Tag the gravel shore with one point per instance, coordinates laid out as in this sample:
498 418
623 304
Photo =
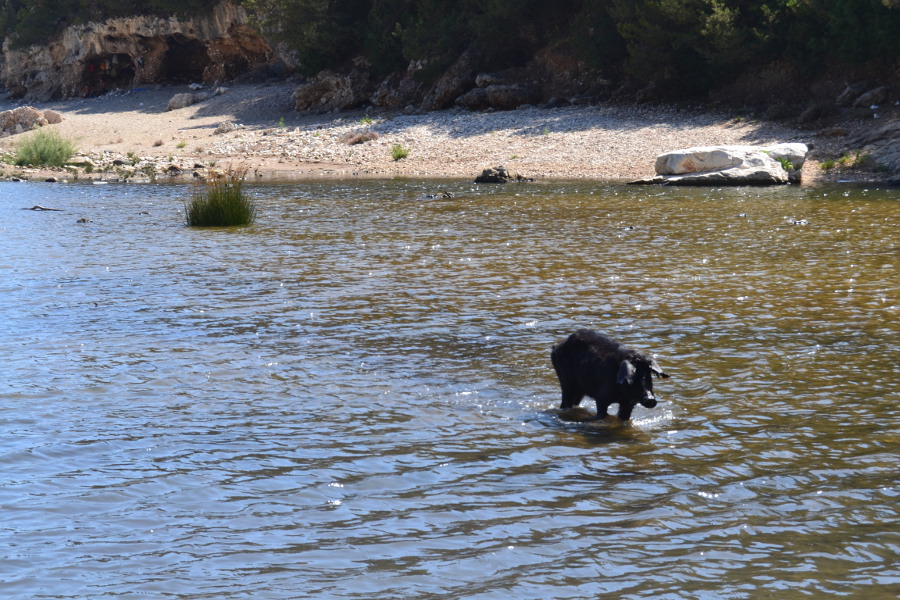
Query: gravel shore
255 126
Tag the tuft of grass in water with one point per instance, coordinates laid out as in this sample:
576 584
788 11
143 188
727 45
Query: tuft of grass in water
219 201
44 148
398 152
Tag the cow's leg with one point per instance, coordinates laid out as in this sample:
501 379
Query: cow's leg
570 398
625 409
602 408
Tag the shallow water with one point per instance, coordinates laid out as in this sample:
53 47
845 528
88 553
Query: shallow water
350 399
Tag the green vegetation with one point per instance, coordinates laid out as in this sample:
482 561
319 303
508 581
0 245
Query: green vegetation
398 152
44 148
686 47
857 160
854 160
786 164
219 201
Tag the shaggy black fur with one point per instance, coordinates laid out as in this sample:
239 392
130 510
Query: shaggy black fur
595 365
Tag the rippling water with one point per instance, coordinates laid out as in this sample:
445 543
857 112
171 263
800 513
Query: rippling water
350 398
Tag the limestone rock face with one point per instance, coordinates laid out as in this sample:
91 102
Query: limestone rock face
884 145
474 99
876 96
397 91
456 80
90 59
508 97
329 91
499 96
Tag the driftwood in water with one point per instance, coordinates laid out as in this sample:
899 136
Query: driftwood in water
39 207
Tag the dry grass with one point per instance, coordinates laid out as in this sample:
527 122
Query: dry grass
359 138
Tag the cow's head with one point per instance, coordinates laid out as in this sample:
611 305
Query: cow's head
636 376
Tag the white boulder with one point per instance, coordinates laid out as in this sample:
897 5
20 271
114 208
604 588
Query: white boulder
731 165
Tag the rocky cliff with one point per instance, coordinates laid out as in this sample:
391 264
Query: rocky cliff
90 59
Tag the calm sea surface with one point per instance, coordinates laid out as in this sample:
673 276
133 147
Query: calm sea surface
352 397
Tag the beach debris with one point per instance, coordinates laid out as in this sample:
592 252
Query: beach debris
38 207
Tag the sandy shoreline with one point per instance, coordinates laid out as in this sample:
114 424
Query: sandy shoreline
275 142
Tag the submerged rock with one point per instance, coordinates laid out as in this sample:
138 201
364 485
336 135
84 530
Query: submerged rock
499 175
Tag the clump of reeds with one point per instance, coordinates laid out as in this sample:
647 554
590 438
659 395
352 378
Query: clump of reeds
219 200
44 148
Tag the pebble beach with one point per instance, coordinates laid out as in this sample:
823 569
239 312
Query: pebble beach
131 134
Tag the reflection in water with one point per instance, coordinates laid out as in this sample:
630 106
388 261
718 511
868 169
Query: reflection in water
353 398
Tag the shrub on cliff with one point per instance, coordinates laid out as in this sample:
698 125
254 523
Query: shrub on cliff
219 201
44 148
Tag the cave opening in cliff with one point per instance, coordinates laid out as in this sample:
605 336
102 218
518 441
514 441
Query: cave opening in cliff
185 60
107 72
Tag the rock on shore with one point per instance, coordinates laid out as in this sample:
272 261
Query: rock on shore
731 165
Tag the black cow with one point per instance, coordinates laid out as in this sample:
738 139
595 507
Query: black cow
592 364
